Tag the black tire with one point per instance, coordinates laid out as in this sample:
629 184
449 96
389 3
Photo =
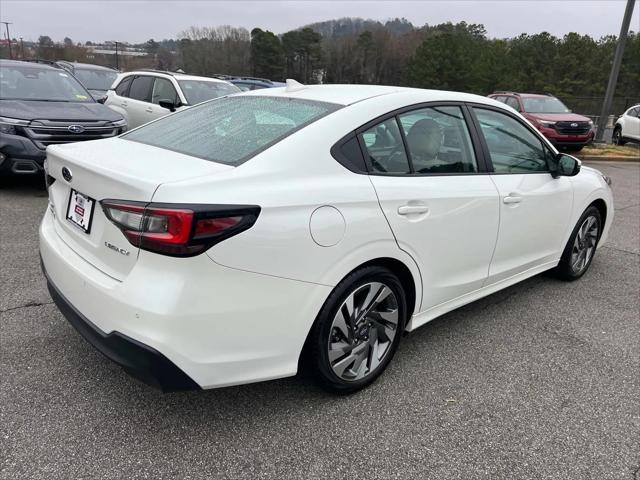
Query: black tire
617 138
565 269
317 348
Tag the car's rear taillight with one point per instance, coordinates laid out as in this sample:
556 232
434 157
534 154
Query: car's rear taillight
178 229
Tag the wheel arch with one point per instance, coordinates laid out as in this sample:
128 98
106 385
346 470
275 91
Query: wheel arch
398 268
601 205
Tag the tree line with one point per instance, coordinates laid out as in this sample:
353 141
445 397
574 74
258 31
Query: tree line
448 56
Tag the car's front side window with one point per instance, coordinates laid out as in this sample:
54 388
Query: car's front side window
438 140
163 90
513 148
385 149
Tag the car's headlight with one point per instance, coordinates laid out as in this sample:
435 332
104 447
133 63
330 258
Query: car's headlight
546 123
121 125
8 125
591 123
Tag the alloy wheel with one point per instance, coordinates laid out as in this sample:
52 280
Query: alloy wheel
363 331
584 244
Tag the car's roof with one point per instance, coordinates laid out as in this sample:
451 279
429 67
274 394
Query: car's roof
350 94
87 66
177 76
535 95
18 63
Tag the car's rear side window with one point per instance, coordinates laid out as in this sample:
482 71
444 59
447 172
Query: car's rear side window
233 129
141 88
123 87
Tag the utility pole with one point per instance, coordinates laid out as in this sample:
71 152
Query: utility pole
6 24
22 47
117 66
615 69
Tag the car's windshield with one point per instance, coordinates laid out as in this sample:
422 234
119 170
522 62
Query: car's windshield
31 82
232 129
198 91
544 105
95 79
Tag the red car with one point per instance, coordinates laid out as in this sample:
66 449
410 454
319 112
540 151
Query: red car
566 130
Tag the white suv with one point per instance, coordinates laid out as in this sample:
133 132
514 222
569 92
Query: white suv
144 95
627 126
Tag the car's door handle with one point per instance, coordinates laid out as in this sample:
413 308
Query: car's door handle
123 104
409 209
512 198
149 110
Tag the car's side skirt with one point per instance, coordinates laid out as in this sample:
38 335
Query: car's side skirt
426 316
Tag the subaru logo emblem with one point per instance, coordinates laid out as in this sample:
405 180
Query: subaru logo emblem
574 124
66 174
76 128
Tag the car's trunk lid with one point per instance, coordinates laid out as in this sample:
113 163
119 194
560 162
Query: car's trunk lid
115 169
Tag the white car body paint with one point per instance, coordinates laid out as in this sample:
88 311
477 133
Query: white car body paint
629 124
241 311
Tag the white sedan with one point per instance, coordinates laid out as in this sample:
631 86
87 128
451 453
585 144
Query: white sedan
226 243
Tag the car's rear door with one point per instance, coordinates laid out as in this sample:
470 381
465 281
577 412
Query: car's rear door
535 208
442 208
140 108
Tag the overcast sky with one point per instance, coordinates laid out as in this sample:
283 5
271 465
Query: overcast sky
137 21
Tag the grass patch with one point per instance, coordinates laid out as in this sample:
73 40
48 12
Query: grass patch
630 151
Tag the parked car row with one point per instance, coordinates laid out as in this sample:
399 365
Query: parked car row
71 90
45 103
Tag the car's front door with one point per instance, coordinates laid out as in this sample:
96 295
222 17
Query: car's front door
163 89
633 121
535 208
442 209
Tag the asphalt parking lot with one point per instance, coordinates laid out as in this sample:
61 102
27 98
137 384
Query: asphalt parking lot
541 380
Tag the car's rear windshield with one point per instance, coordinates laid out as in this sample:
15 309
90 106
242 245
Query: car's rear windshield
198 91
231 130
31 82
544 105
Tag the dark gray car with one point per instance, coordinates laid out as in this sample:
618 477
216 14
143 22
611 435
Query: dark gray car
95 78
42 105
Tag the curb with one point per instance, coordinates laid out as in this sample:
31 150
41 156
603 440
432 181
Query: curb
609 158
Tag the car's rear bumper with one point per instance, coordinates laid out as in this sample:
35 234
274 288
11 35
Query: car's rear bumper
141 361
217 325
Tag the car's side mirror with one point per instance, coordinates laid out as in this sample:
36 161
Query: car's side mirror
168 104
566 165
